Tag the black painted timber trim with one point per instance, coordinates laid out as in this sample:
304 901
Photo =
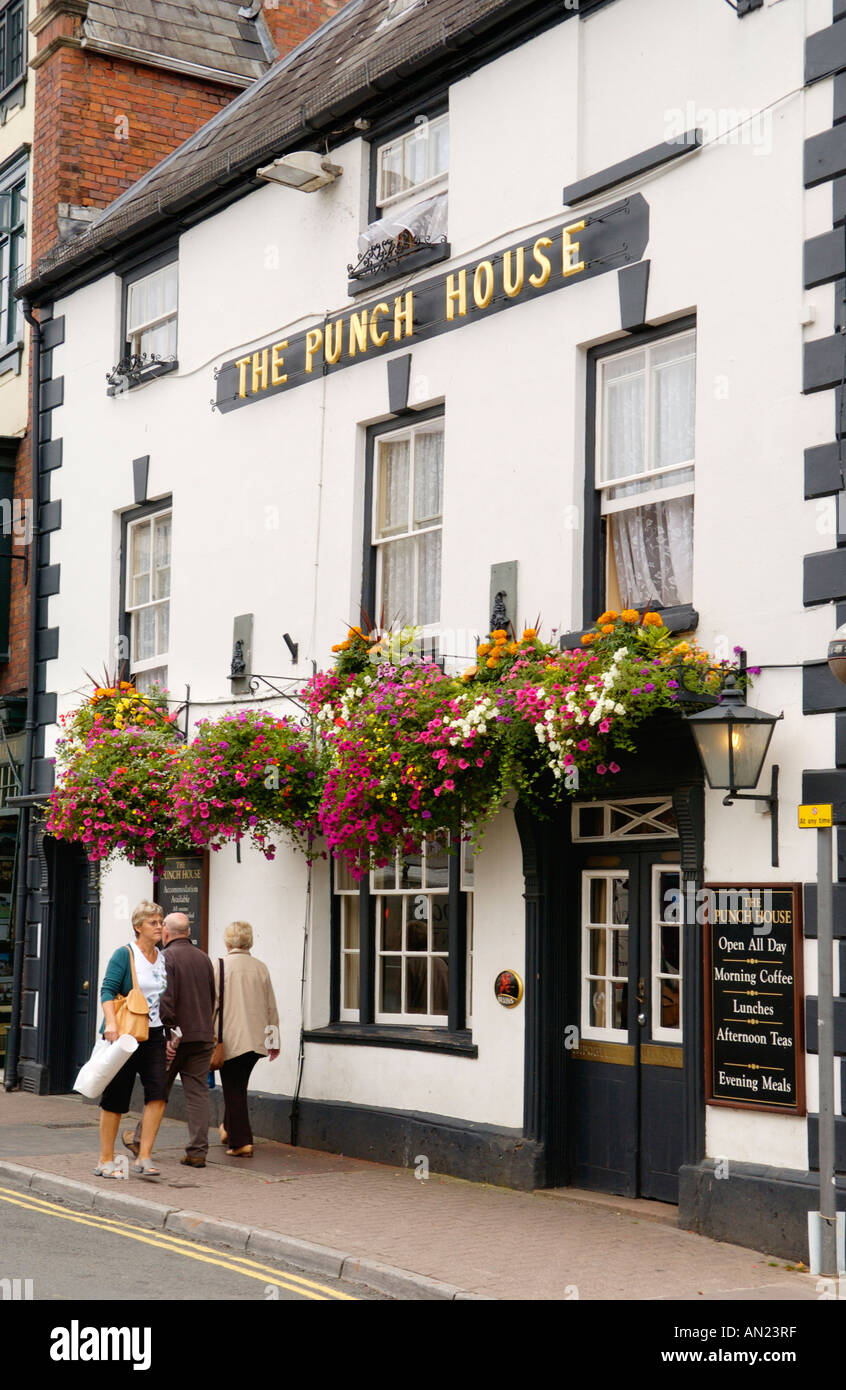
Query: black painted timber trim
825 256
825 53
822 693
410 1039
840 740
46 708
823 363
823 470
48 580
632 167
839 99
633 285
51 516
825 156
839 9
809 914
53 333
43 775
51 455
47 644
824 577
839 1142
825 786
52 393
756 1206
399 378
838 202
839 1025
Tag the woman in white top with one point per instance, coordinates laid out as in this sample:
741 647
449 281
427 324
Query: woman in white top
148 1061
250 1032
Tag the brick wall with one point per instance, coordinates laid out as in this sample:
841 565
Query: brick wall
289 23
13 675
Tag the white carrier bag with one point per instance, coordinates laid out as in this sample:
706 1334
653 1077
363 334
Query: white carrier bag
104 1064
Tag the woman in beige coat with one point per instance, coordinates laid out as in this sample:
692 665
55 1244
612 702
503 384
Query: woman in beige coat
250 1032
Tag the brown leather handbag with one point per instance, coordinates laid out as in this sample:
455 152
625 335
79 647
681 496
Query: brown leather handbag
217 1056
132 1012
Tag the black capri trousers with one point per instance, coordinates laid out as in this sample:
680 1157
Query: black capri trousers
148 1062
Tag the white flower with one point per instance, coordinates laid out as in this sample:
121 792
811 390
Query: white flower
619 709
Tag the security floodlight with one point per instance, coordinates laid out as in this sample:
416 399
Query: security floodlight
305 170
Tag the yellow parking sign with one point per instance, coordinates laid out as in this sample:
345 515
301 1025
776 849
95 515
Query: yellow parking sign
814 817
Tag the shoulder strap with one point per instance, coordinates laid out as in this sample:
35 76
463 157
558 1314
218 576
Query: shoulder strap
132 967
220 1002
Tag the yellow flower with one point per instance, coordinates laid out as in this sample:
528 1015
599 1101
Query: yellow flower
470 673
681 648
653 620
499 634
609 617
630 615
483 648
529 634
607 628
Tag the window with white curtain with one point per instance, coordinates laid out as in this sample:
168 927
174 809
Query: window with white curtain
148 557
414 163
646 403
407 526
151 312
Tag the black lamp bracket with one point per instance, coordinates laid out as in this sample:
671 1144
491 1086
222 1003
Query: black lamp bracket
771 800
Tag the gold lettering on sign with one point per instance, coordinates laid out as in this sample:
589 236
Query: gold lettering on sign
242 364
314 342
334 341
541 277
456 295
277 362
483 285
404 316
376 338
260 370
513 284
358 332
571 250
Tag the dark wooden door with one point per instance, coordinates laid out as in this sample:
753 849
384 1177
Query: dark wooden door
76 988
625 1081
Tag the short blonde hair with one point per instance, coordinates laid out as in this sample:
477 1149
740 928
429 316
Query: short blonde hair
143 911
238 936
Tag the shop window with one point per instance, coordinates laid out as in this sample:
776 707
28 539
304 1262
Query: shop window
411 904
403 567
409 206
644 473
149 316
13 202
12 46
147 566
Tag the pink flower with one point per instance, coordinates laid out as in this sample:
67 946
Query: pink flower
604 726
613 767
601 769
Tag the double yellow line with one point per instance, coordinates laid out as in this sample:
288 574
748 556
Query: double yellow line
238 1264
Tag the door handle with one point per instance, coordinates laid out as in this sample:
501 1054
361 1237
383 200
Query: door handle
84 986
641 992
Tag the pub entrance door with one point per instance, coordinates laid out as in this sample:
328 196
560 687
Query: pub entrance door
625 1078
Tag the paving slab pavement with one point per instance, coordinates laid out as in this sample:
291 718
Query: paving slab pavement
465 1239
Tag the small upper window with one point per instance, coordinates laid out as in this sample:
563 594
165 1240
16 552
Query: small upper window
414 163
147 602
12 44
645 471
151 315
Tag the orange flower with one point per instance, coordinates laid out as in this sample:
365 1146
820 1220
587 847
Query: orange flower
492 661
681 648
512 649
483 649
607 629
499 634
470 673
529 634
345 646
608 617
588 638
355 632
630 615
653 620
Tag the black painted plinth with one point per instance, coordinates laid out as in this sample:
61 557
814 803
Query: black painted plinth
458 1148
755 1206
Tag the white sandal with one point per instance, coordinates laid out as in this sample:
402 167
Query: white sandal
112 1169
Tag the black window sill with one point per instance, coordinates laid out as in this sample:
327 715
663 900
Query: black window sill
149 374
682 618
10 358
428 255
383 1035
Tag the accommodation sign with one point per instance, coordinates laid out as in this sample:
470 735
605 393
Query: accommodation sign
577 250
181 887
754 997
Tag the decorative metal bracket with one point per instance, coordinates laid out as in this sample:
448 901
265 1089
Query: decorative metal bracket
771 800
133 368
392 251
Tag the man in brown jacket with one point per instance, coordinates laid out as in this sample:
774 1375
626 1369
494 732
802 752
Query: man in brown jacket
186 1009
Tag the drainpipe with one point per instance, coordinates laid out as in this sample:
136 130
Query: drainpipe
10 1079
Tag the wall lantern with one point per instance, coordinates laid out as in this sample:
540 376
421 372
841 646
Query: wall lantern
837 654
732 740
306 170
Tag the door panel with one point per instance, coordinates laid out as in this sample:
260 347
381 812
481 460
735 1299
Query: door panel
625 1083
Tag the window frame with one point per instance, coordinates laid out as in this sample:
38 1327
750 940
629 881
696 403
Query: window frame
683 617
371 561
16 85
130 276
129 519
13 174
452 1035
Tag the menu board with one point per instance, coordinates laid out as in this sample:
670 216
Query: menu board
182 886
753 988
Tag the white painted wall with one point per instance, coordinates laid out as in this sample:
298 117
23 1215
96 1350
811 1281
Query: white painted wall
268 511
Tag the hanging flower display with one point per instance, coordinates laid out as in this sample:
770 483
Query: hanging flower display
249 774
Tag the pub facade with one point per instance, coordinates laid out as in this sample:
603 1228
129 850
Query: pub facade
465 313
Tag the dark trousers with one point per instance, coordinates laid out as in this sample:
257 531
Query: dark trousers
191 1064
234 1077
